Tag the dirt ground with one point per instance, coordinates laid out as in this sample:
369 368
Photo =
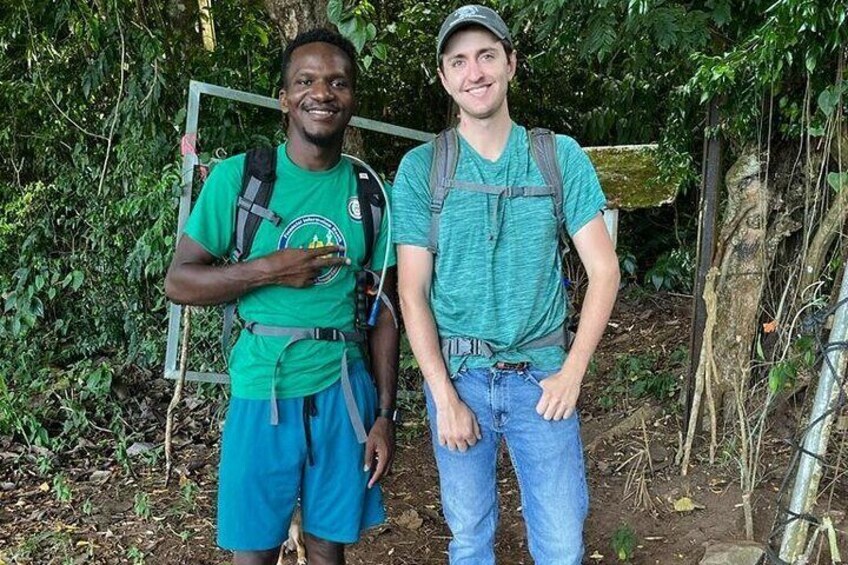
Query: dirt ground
90 509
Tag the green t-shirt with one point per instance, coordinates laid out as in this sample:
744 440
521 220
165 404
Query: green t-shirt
497 270
317 209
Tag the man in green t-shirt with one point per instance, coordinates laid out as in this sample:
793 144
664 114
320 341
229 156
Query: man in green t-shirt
484 306
305 421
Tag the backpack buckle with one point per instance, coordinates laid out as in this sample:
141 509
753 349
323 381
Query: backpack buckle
436 206
461 347
326 334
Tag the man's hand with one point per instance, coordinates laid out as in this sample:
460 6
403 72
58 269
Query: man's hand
299 268
560 392
380 449
457 426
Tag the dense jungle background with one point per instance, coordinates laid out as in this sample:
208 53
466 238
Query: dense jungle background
683 450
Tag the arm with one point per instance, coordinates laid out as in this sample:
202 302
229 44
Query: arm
383 343
193 278
595 249
456 424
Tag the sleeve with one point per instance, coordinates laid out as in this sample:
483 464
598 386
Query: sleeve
411 198
212 220
583 197
379 259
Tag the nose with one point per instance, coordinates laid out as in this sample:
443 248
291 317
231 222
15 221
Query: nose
475 73
321 90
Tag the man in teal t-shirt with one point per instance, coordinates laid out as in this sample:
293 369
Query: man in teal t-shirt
300 408
484 304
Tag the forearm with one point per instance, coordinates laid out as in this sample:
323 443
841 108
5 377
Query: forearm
383 343
204 285
594 315
424 339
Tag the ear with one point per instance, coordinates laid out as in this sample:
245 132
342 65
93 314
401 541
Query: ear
284 101
513 64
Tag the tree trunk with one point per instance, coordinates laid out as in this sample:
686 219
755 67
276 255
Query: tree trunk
757 219
295 16
743 258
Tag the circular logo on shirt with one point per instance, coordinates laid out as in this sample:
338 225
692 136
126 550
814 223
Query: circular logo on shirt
312 232
353 209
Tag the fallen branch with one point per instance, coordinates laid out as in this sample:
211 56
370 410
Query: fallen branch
646 412
178 392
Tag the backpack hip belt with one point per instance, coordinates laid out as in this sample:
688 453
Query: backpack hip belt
318 334
466 346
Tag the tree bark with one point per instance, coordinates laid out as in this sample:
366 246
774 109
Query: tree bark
743 259
757 219
294 16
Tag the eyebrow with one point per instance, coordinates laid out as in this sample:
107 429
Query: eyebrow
310 73
479 52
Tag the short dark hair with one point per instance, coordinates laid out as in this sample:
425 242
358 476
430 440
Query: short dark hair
318 35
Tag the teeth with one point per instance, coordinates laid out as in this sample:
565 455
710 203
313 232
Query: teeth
321 112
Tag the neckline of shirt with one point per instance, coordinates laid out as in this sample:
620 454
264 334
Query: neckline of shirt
514 132
286 164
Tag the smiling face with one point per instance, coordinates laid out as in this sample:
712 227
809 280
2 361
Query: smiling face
476 71
318 94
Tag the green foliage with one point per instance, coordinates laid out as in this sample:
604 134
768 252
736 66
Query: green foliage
837 181
135 555
141 505
93 98
797 41
781 376
188 494
354 22
627 263
624 542
61 489
674 270
642 375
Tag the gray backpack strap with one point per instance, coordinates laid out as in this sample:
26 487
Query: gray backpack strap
320 334
442 169
543 150
372 203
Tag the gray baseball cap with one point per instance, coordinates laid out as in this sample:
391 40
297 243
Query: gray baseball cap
471 14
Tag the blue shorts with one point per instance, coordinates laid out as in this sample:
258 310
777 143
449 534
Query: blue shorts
265 469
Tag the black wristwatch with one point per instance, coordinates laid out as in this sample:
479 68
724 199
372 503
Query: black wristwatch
391 414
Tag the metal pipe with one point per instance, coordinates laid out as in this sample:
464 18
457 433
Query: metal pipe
274 104
809 474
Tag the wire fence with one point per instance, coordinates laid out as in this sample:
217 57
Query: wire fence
790 526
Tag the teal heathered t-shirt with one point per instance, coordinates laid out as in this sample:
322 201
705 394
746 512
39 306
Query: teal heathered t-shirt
497 270
318 208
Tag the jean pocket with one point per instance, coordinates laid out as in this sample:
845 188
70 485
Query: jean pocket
534 376
454 377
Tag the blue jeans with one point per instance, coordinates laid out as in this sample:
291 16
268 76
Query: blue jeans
548 461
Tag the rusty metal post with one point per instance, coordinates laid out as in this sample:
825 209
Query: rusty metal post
707 213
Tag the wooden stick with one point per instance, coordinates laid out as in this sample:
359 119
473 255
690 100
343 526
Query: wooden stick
178 392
